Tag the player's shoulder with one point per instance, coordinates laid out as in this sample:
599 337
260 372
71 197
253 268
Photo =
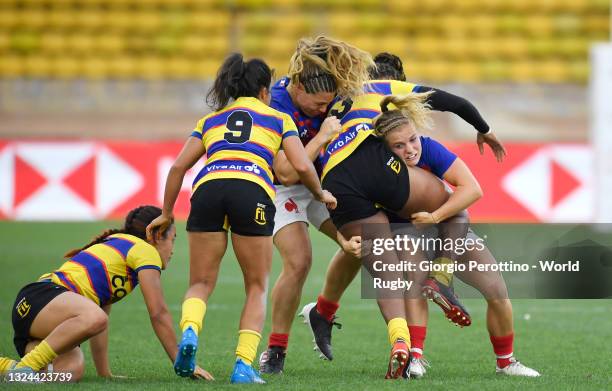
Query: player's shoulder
404 87
139 247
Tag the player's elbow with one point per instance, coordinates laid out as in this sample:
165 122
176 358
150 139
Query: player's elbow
286 178
158 315
477 192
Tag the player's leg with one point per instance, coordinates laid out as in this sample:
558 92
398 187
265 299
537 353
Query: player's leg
391 306
254 255
207 238
499 312
427 193
71 362
320 316
64 323
292 240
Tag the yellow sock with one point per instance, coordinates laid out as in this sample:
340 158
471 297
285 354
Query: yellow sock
40 357
248 340
6 364
193 313
398 328
444 276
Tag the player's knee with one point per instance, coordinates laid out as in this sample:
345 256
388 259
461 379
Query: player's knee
96 322
298 267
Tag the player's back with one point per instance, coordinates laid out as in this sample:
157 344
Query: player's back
241 141
106 272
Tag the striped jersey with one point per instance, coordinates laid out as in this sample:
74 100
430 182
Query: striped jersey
241 141
106 272
356 117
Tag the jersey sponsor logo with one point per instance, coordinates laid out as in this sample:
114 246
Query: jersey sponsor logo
291 206
23 308
119 291
260 214
395 165
234 167
346 138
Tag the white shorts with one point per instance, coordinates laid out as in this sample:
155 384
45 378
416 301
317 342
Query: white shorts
296 203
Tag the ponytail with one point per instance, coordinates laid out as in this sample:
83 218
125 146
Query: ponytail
237 78
411 108
388 66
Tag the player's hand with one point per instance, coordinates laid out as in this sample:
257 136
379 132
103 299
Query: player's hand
161 223
328 199
329 128
200 373
423 219
353 246
491 140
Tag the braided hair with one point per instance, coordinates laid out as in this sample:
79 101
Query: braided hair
135 224
388 66
411 108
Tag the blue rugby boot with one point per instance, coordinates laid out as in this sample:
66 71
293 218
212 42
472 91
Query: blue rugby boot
245 374
185 363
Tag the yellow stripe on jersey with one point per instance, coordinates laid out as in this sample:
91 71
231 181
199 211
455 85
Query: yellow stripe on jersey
108 271
241 142
357 121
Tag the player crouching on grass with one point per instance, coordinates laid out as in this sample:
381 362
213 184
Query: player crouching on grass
64 308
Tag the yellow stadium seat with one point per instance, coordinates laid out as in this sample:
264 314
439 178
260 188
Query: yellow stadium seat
552 71
483 48
146 22
567 24
209 23
119 21
538 26
5 42
438 71
453 48
53 43
466 71
95 68
206 69
179 68
150 68
573 48
64 67
579 71
123 67
33 20
9 19
61 19
541 48
494 71
425 47
597 26
522 72
81 44
402 7
89 20
25 41
343 23
512 48
11 66
110 44
166 44
510 24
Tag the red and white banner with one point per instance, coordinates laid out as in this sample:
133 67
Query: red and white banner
96 180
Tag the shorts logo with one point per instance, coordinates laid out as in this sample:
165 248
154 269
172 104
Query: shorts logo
260 214
23 308
395 165
291 206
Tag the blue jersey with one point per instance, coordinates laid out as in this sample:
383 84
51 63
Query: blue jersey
307 127
435 157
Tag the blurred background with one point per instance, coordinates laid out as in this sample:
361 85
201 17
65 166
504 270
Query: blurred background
97 96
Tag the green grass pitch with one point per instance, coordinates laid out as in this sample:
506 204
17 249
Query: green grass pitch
568 341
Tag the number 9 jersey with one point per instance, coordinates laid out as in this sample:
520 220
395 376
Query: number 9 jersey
106 272
241 141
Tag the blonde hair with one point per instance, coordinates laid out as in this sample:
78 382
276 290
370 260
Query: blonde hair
325 64
412 108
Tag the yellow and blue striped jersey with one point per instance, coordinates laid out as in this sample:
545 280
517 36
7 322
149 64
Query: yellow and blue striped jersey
241 141
356 117
106 272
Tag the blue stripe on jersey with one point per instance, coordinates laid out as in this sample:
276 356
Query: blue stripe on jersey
239 165
259 119
121 245
360 113
133 276
196 134
97 275
290 133
382 88
65 280
146 267
223 145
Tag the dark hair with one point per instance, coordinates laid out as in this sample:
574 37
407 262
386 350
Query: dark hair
135 224
237 78
388 66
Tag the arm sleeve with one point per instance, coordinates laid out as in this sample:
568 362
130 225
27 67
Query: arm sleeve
443 101
197 131
289 128
143 256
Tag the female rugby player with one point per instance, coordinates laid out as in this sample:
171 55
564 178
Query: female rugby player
320 69
417 150
53 316
234 189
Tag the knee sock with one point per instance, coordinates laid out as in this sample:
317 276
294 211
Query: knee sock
398 328
193 313
248 340
40 357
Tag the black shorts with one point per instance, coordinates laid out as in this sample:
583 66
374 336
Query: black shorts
371 175
237 203
30 300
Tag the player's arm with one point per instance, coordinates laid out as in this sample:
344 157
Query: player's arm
467 191
285 172
441 100
192 151
303 166
98 345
